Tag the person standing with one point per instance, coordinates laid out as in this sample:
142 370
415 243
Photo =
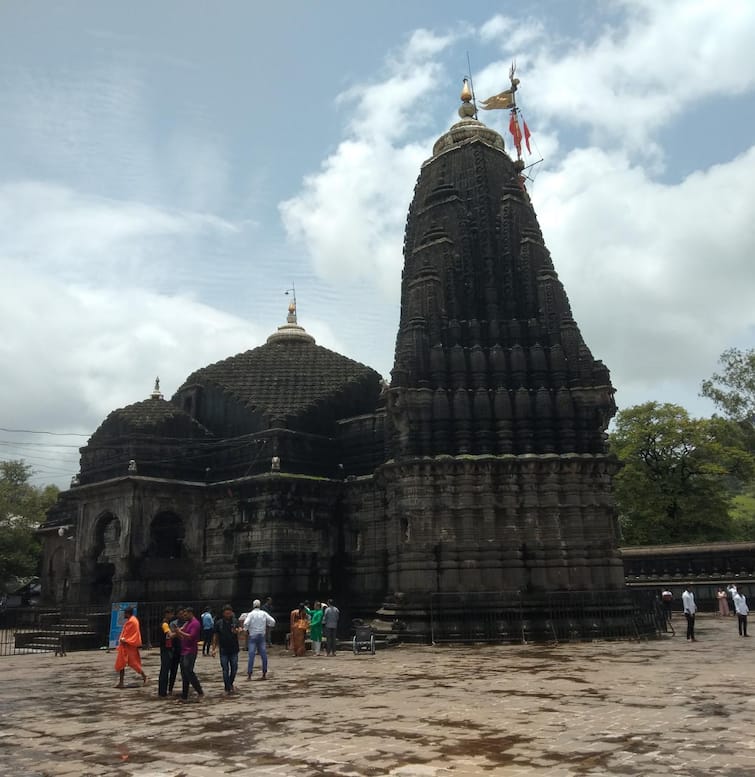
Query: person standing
690 608
740 607
189 633
208 622
731 589
299 626
723 604
225 637
175 624
129 643
315 627
268 608
330 622
167 667
256 625
667 599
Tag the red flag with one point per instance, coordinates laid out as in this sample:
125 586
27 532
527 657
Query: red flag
516 132
527 136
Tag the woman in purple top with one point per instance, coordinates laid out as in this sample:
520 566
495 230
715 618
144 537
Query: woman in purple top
189 634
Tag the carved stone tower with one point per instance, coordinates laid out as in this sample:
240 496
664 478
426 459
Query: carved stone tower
498 477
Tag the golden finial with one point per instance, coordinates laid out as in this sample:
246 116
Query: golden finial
466 110
291 318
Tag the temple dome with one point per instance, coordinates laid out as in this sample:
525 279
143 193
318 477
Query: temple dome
152 437
150 417
290 381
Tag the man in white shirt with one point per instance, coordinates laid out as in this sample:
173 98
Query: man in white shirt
740 605
256 624
690 608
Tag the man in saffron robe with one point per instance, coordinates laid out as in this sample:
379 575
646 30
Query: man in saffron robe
128 648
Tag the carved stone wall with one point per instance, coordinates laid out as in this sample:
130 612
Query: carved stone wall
537 522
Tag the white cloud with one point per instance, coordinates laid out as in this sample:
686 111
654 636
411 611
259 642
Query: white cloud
512 34
90 328
660 276
80 352
86 238
350 215
634 78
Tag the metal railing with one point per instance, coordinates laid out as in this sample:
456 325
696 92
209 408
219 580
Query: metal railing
52 629
520 617
492 617
77 627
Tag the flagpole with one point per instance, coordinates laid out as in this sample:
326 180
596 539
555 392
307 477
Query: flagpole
471 85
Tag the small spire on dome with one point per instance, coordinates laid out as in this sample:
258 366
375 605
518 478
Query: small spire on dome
156 393
291 330
291 318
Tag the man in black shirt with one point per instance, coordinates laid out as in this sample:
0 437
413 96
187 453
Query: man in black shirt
225 636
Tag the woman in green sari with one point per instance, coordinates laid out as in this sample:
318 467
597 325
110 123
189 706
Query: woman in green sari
315 627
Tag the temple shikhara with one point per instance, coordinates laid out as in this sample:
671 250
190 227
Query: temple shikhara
296 472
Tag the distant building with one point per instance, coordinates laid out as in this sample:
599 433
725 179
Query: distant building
291 470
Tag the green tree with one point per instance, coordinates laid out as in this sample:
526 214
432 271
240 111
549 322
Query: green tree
733 389
675 485
22 510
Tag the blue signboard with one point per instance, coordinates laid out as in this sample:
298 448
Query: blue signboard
117 619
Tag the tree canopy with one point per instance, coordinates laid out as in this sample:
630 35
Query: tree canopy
733 389
676 483
22 510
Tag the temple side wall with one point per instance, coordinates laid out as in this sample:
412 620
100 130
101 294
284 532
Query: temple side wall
493 523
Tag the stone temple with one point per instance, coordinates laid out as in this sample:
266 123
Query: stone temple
296 472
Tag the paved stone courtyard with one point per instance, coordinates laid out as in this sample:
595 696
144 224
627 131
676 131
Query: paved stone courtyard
667 707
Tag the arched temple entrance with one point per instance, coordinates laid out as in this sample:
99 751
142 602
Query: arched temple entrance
107 535
167 567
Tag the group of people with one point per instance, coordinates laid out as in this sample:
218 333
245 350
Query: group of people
739 602
321 618
179 640
181 631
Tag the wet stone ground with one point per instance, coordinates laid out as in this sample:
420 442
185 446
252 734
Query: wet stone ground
639 709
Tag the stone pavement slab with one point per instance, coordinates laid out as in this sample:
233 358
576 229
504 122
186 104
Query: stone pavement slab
638 709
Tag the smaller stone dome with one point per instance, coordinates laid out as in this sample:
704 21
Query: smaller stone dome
153 416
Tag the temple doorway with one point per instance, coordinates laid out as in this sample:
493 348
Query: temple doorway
106 551
166 536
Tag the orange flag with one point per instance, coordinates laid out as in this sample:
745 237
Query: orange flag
516 132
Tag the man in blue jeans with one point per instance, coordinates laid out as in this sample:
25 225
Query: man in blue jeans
225 637
257 624
208 623
330 625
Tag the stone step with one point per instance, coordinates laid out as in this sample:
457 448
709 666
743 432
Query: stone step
55 640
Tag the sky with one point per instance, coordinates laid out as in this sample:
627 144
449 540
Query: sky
169 170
